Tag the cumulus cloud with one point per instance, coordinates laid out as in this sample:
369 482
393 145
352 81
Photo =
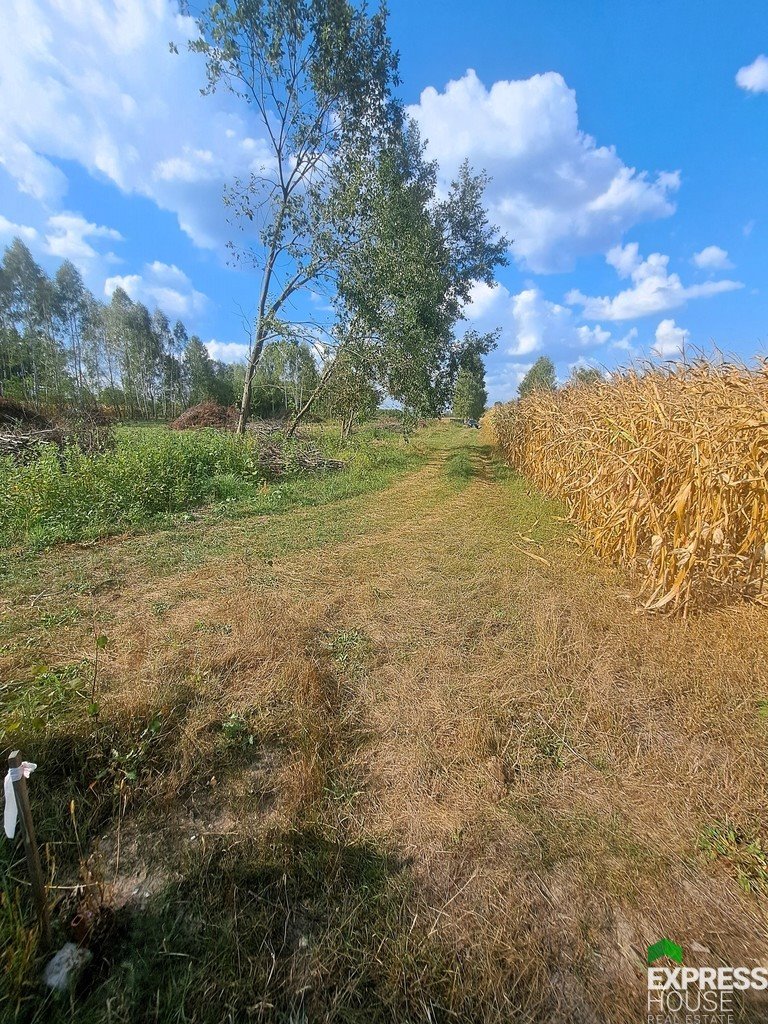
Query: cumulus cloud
163 285
530 322
654 289
95 82
670 339
554 190
10 230
502 383
627 342
227 351
754 77
712 257
68 237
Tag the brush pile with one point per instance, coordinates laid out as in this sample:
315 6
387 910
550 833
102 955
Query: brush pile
664 469
206 414
278 459
22 430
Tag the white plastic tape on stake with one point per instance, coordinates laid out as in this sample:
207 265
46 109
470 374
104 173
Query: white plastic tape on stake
11 813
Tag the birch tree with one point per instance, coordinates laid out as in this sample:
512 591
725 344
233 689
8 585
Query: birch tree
317 74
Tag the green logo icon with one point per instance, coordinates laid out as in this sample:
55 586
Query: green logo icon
665 947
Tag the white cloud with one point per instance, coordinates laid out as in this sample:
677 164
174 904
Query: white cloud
531 323
485 299
539 324
227 351
712 257
93 81
670 339
9 230
554 191
754 77
161 284
748 228
654 289
626 343
68 233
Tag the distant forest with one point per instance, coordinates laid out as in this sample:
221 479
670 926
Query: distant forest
61 346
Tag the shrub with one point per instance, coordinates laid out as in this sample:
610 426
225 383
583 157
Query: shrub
69 494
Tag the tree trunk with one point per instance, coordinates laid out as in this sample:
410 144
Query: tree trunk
346 425
309 402
245 401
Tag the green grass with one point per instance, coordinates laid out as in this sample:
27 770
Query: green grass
153 474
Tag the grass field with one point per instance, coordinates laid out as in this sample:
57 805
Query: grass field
398 751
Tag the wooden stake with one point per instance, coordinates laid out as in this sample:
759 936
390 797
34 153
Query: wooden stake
31 851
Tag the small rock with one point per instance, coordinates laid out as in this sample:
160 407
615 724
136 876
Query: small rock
63 970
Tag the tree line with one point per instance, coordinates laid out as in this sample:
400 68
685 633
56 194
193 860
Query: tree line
542 377
60 346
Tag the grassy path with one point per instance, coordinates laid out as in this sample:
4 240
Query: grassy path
420 761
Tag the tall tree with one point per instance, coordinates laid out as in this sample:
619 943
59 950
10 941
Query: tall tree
540 377
28 314
60 344
407 282
469 395
318 76
200 372
70 309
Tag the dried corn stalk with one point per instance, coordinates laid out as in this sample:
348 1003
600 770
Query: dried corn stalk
665 469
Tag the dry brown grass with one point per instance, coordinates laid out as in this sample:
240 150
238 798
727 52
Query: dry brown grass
665 469
537 764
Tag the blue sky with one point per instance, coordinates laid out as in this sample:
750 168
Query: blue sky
627 144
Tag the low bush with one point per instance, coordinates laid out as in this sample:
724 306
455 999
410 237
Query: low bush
153 473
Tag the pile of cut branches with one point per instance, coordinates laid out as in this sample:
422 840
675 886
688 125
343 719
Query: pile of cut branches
278 460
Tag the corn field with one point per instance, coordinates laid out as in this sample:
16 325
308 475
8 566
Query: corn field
664 469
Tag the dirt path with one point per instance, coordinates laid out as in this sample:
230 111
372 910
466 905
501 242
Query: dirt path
456 686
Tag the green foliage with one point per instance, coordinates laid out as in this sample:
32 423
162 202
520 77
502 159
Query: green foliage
318 78
284 379
540 377
60 346
744 853
585 375
29 707
404 285
469 396
153 473
202 380
350 394
351 648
